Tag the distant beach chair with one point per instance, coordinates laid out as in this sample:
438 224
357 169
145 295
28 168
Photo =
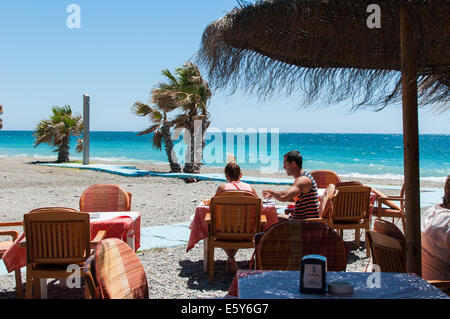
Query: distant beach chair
115 272
283 245
4 246
105 198
325 177
392 210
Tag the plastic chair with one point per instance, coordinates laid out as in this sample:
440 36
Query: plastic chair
392 210
55 238
232 224
283 245
4 246
105 198
325 177
351 210
115 272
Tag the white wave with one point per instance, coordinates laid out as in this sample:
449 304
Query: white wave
391 177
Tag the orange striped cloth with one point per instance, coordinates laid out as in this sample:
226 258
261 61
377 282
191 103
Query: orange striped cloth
307 204
119 272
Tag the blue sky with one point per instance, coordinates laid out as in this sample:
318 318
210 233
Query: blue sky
117 56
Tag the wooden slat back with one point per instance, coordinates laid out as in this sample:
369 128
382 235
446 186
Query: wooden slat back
351 203
57 237
105 198
235 217
387 252
325 177
283 246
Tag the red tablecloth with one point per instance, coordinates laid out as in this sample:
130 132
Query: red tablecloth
16 256
199 229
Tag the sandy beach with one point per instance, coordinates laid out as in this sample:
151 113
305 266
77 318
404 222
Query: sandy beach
171 272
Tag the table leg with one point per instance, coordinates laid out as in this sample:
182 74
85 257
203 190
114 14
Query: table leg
205 255
130 238
232 265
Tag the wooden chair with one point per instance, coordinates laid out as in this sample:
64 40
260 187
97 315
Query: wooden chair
392 210
232 224
283 245
55 238
325 177
4 246
115 272
351 210
105 198
388 246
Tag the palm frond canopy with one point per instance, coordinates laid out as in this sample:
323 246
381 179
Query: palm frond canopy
326 49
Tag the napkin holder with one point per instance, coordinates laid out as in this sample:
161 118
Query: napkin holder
313 272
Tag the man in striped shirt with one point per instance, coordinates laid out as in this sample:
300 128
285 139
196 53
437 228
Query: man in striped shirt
303 191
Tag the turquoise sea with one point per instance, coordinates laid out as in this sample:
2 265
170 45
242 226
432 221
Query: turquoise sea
351 155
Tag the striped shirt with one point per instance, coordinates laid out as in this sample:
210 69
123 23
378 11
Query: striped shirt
307 204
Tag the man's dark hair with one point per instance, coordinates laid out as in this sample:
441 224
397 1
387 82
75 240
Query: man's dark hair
294 156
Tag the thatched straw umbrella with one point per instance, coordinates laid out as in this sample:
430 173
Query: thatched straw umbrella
335 50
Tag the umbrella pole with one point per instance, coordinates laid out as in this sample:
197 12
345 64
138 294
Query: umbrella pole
409 50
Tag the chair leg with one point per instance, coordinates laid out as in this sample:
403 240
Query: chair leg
29 284
357 234
211 264
19 291
37 287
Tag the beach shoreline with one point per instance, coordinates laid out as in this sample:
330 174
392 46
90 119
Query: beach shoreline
171 272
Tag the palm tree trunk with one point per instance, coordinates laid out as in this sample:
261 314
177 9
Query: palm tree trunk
189 166
63 150
173 161
195 155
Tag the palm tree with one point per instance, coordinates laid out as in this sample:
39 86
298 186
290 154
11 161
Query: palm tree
1 112
57 131
188 93
161 129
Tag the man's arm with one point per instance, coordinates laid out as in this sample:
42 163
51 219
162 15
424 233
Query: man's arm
301 185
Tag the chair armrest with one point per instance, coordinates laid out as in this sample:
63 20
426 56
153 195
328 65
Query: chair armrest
318 219
100 235
399 198
208 218
263 220
11 224
11 233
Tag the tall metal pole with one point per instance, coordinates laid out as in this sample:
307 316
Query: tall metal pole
86 109
409 50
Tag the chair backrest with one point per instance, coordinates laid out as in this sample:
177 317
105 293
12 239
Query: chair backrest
235 217
118 273
326 204
348 183
283 246
105 198
387 251
325 177
351 204
236 193
57 236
